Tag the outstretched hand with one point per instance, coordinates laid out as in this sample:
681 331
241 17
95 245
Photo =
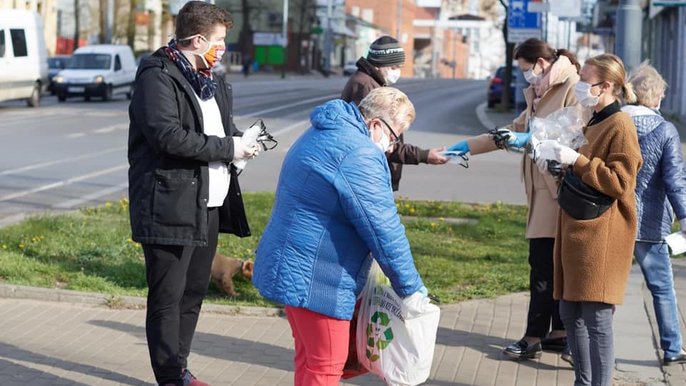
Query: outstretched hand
435 156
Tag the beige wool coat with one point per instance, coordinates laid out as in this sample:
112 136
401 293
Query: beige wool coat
541 188
592 258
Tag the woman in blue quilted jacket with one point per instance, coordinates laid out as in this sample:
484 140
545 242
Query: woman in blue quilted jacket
660 195
334 206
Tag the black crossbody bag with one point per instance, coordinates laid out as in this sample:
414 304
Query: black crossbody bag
581 201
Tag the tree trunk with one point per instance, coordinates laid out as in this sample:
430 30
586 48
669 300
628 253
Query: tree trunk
509 48
131 27
245 36
77 26
102 19
304 4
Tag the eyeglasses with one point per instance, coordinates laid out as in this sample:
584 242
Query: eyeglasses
266 140
396 139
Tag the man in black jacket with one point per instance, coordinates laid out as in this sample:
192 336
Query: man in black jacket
183 188
382 68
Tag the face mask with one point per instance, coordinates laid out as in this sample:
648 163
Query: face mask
384 143
584 96
531 77
213 54
392 76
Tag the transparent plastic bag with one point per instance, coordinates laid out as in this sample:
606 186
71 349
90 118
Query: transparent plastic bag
564 126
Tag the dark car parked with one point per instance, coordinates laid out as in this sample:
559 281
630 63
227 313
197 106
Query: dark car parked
55 65
496 85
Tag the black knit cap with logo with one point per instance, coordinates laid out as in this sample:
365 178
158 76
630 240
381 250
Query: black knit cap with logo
385 52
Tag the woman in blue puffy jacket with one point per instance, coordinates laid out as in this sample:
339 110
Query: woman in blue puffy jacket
660 196
334 206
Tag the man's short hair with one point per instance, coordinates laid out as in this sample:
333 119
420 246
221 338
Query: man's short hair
200 18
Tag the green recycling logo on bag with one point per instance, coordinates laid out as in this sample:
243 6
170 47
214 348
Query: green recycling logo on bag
379 334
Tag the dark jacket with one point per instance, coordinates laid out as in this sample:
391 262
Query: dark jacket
364 80
168 157
661 182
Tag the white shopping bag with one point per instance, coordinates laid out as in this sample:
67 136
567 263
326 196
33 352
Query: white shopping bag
395 337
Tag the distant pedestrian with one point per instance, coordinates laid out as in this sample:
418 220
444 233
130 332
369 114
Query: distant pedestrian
660 196
247 63
183 187
334 206
552 74
595 230
380 68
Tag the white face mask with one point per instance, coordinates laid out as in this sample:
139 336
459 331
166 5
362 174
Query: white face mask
582 90
531 77
392 76
384 143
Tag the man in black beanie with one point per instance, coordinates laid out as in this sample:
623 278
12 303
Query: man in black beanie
382 68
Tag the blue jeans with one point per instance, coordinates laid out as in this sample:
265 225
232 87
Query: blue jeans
590 337
653 258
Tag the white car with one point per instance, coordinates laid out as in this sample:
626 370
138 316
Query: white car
23 56
102 70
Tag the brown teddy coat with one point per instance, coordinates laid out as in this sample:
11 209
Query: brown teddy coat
592 258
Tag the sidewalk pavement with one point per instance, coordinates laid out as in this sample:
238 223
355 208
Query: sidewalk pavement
47 343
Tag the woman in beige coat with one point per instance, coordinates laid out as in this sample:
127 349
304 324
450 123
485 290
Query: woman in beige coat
593 253
553 75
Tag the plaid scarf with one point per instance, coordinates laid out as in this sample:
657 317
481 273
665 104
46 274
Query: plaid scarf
201 80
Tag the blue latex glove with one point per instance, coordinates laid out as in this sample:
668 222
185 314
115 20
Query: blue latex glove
518 140
460 148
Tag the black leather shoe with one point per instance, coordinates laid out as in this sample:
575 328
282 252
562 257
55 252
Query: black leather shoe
554 344
681 358
522 350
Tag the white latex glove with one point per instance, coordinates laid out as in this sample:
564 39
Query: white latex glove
552 150
682 225
241 151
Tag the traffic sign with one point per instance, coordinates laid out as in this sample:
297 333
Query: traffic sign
522 24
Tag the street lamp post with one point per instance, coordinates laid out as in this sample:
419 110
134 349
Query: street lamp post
284 42
629 23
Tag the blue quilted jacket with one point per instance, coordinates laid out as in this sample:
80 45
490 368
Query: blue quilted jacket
661 182
334 205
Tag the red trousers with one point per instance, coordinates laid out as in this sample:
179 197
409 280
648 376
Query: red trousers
321 347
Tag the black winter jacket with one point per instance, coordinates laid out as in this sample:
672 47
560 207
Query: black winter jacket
168 156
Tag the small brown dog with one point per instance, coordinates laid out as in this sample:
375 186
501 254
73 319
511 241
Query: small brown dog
223 269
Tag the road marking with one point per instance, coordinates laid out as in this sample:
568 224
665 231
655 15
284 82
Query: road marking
75 135
61 183
111 128
91 197
59 161
271 110
290 127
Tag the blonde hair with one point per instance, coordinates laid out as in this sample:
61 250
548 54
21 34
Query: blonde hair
648 84
610 68
390 104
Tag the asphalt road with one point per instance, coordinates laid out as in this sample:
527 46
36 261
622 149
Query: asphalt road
63 156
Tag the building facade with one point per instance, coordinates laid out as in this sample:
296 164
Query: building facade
47 9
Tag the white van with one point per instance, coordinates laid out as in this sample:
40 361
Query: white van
102 70
23 56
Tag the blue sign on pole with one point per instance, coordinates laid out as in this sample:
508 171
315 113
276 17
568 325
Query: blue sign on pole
522 24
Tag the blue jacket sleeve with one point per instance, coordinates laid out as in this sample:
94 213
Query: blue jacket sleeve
364 189
673 172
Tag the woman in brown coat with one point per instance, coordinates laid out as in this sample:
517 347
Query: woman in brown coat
593 255
553 75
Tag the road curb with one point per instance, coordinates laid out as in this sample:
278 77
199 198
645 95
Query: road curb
119 302
483 117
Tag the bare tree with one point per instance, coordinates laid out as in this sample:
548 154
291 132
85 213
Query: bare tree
509 48
102 19
131 27
77 25
305 26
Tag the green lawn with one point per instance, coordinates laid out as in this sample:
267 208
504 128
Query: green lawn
91 250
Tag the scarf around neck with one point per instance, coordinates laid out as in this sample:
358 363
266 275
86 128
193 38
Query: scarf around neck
201 80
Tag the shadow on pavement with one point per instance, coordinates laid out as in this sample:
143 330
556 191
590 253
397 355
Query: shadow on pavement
19 374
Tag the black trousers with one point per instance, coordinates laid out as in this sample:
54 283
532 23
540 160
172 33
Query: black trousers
178 278
543 309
